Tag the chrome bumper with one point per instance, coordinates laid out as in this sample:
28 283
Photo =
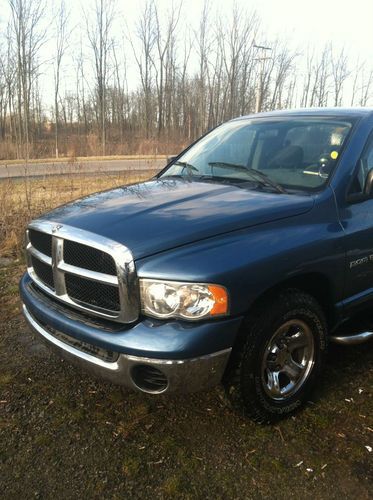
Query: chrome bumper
186 375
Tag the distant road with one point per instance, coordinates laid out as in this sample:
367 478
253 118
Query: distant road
79 167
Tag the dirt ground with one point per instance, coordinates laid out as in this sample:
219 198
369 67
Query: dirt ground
66 435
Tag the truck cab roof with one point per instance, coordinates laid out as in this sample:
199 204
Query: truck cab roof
317 112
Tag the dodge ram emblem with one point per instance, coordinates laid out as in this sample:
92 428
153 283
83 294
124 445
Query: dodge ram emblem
56 228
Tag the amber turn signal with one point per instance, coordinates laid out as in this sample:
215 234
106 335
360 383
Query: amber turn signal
221 300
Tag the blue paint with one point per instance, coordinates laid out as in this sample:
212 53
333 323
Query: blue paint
247 240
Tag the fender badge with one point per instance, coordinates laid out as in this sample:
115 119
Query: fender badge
56 228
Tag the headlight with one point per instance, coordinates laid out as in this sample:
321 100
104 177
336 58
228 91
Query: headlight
170 299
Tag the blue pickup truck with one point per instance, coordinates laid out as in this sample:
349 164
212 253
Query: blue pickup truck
237 263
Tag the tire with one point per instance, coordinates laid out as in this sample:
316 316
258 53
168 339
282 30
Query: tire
279 357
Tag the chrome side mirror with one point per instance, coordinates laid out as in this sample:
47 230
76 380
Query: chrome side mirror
170 159
368 190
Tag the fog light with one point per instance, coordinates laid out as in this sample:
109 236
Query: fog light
149 379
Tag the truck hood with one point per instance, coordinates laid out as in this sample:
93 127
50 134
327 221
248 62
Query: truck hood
161 214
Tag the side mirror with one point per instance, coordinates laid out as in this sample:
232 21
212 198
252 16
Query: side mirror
368 190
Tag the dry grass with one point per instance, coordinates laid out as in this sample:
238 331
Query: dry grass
84 159
74 145
24 199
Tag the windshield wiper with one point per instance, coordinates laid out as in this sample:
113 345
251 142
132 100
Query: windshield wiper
190 169
174 176
220 178
187 166
262 178
267 180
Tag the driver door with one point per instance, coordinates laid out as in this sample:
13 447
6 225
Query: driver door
359 236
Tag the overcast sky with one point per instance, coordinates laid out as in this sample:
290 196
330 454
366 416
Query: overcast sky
302 24
345 23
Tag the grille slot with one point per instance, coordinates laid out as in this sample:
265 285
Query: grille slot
79 255
93 350
98 352
41 241
72 312
97 295
43 272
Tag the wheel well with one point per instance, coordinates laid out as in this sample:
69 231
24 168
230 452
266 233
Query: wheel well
315 284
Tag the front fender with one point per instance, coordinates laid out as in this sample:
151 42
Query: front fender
251 261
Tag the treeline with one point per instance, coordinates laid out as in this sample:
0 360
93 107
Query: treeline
187 79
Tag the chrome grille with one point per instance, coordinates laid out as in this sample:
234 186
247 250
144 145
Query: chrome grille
41 241
80 255
43 271
98 295
88 272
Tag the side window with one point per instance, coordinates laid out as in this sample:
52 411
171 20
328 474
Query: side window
364 167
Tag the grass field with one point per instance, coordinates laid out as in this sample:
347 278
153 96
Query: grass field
24 199
65 435
80 159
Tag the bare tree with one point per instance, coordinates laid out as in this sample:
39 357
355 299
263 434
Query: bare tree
165 46
146 36
26 16
357 72
203 48
8 71
340 73
307 79
3 97
61 44
99 36
236 47
182 82
284 63
366 87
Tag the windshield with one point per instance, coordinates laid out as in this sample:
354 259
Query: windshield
278 155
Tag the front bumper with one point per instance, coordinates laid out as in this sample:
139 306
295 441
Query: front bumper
191 357
181 375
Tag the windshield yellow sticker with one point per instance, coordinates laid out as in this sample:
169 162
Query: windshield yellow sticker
334 155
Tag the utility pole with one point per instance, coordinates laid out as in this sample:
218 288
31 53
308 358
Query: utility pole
262 59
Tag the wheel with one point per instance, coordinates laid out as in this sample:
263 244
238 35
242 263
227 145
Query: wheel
279 358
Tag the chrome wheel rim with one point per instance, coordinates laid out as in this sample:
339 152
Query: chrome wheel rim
288 360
